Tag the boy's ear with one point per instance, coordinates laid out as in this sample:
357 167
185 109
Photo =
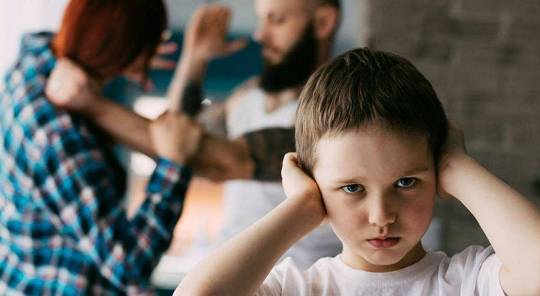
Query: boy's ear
325 21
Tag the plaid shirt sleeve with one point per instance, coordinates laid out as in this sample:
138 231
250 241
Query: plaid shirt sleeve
125 250
61 164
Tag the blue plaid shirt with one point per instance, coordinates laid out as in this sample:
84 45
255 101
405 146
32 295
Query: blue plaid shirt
63 226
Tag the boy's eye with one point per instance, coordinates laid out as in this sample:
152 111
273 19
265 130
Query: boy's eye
353 188
406 182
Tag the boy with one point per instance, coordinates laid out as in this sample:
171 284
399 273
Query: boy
369 135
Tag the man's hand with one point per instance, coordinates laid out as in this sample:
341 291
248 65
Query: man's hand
297 184
70 87
175 137
453 149
205 37
204 40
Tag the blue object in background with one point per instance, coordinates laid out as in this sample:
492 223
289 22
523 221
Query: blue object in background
223 75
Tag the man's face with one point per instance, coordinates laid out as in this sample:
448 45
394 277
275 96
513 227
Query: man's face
379 188
281 25
287 36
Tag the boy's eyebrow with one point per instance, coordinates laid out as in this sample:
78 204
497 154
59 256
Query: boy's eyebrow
351 180
347 181
416 171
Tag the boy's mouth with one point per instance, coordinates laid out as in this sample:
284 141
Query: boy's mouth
383 242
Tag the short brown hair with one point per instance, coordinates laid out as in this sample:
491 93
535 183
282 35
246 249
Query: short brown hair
106 36
365 86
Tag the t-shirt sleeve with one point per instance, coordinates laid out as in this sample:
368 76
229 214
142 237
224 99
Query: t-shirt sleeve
479 269
284 279
489 276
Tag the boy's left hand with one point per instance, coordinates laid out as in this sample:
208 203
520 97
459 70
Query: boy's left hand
453 148
297 184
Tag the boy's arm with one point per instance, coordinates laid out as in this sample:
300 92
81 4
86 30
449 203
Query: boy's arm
240 266
510 221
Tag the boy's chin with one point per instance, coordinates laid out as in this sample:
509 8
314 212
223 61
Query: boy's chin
386 260
395 259
374 261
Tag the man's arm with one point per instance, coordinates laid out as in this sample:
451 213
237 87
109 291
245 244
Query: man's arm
205 39
241 264
255 155
509 220
218 158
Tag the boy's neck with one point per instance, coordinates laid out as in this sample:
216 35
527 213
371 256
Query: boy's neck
357 262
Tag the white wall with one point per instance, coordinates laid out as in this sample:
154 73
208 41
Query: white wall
20 16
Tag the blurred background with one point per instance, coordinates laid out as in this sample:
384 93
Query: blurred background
483 58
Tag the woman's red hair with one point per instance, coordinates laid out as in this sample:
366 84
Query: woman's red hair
107 36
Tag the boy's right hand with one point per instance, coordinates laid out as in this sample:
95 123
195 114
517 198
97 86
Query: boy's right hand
452 151
70 87
297 184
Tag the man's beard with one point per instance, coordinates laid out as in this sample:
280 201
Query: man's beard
295 68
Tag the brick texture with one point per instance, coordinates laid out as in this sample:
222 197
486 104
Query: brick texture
483 58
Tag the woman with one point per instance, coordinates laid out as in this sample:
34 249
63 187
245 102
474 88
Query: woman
63 227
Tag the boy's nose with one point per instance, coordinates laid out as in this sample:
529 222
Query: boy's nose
380 213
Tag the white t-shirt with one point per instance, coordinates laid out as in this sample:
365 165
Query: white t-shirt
474 271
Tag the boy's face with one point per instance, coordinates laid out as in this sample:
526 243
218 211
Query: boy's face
379 190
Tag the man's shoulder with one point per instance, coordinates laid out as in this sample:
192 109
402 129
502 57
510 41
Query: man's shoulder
246 86
240 91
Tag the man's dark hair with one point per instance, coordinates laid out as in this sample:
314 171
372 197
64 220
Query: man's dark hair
365 86
335 3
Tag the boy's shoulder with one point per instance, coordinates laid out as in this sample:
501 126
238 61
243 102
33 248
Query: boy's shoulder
471 256
287 278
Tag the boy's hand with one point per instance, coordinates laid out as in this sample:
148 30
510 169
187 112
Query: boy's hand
70 87
452 150
297 184
206 34
175 137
